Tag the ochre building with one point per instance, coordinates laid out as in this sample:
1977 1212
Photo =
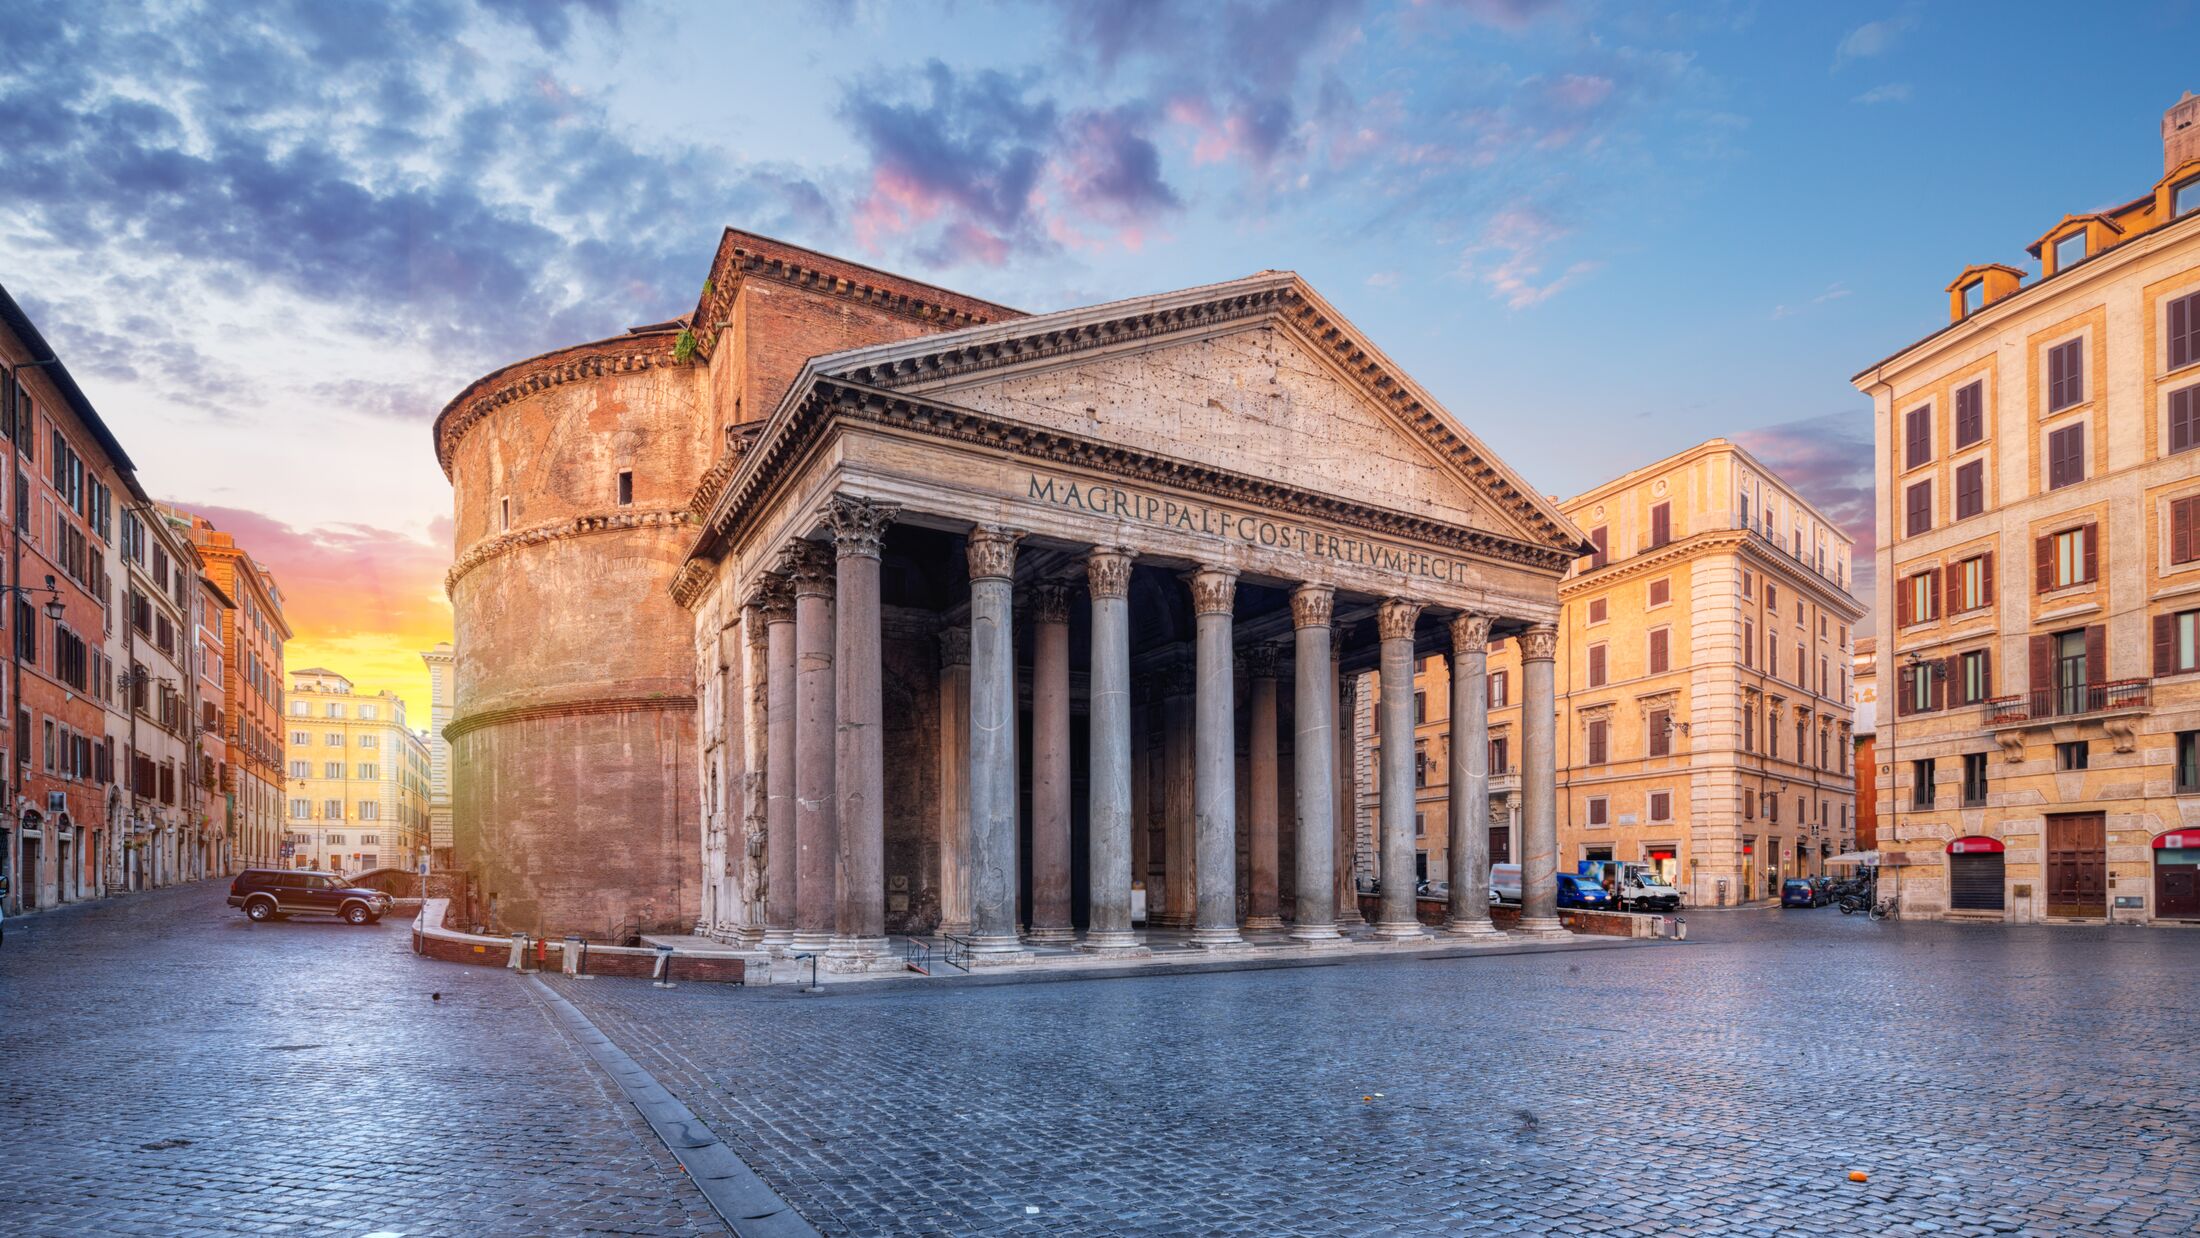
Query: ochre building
1703 687
2039 566
846 606
357 779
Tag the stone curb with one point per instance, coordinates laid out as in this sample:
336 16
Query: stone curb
749 1206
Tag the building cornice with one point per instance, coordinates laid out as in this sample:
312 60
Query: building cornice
623 354
579 526
457 727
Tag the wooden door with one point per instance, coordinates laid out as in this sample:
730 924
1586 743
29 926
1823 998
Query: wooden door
2176 889
2077 865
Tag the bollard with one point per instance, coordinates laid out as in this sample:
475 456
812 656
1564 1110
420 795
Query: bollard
574 951
519 952
1680 929
663 971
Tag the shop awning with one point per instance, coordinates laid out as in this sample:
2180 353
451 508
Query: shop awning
1976 844
2177 840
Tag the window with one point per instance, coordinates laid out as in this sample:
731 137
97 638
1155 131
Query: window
1975 680
506 514
1921 783
1661 805
333 810
2184 418
1917 437
2065 375
1772 598
1597 610
626 488
1772 655
1420 765
1973 585
333 739
1600 536
301 769
370 771
1660 727
1597 727
335 840
370 741
1920 688
1970 414
1661 525
2067 558
1599 810
2188 762
1749 643
2066 456
2070 250
369 810
300 810
370 711
1499 685
1500 756
1660 654
1420 708
1919 601
335 710
1596 666
332 769
2070 666
2184 331
2072 755
1974 297
1970 489
2185 199
300 708
1661 592
1917 507
301 738
2177 642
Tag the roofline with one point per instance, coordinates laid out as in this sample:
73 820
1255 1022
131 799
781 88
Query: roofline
1714 444
43 355
741 239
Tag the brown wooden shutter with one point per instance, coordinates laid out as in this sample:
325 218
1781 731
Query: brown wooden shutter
2184 530
2043 564
2096 654
2042 663
1596 743
1932 596
1903 616
1954 592
2165 644
1986 672
1596 665
1905 689
1951 674
1658 651
1939 673
1661 524
2092 553
1986 580
1914 438
2184 419
2184 331
1600 536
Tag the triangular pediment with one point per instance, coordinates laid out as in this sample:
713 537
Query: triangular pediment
1257 377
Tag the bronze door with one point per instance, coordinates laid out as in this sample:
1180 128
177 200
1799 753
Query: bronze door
2077 865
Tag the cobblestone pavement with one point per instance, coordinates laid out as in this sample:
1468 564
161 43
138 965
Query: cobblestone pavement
167 1068
1989 1080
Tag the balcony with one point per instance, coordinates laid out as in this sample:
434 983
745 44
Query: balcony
1786 550
2051 705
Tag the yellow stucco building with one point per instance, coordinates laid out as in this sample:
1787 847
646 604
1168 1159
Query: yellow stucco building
1703 686
358 778
2039 551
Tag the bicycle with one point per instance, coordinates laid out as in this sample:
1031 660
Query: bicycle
1883 909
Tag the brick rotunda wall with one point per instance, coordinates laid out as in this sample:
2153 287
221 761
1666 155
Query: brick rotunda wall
574 808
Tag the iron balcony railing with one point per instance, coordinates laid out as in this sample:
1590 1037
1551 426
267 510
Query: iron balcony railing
1807 559
2071 701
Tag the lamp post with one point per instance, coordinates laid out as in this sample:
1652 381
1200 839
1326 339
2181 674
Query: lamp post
10 812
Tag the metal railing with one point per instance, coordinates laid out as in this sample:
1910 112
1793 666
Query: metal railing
957 954
2069 701
1807 561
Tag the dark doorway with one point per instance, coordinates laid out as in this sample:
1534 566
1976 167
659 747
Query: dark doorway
2177 881
1501 848
1975 882
2077 865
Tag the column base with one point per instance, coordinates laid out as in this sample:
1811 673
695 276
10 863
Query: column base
861 954
958 928
810 943
1400 930
776 937
1542 928
1480 930
1122 945
1315 934
1263 924
1220 938
998 950
1051 935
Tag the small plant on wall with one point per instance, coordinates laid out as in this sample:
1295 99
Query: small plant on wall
683 348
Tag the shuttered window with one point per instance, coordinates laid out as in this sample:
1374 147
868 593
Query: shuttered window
1917 506
1661 733
2071 557
1970 489
1601 537
2177 642
2066 456
1970 414
1597 610
1660 652
2184 530
1596 741
1919 599
2184 331
1971 583
1661 525
1917 437
1975 679
1596 666
1661 592
1661 805
2184 419
1598 811
2065 375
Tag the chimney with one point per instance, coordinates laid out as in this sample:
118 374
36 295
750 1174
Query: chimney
2181 133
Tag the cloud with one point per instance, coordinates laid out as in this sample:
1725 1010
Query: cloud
1512 251
1873 38
1828 459
1892 92
1835 291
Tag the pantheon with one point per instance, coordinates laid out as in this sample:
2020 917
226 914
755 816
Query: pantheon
846 606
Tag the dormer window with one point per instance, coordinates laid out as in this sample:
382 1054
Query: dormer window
1974 297
2070 251
2185 198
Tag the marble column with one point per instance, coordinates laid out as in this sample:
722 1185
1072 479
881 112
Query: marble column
1179 854
1396 920
755 863
1314 761
1050 781
816 803
1214 760
775 597
993 881
1470 780
1538 784
1263 908
1145 786
955 781
859 754
1348 796
1108 581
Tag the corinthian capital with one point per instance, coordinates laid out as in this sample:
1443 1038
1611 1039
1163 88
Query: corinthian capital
1108 572
1539 643
1312 605
859 525
809 566
992 552
1214 590
1395 618
1470 634
1258 661
1050 603
773 598
955 646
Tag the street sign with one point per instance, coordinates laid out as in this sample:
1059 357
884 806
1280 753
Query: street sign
289 850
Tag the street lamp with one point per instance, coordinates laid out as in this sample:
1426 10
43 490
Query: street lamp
53 606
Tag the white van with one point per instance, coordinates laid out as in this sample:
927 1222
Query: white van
1505 884
1638 886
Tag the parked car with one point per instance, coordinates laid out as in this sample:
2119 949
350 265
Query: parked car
1505 884
1799 892
1575 890
1432 889
1639 886
273 893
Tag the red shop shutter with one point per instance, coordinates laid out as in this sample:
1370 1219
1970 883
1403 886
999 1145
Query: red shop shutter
2043 564
2165 644
2096 655
2092 553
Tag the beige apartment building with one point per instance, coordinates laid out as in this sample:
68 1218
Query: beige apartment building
357 778
1703 687
2039 553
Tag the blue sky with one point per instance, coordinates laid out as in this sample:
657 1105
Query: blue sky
271 241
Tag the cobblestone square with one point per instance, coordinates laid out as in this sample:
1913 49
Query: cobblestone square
174 1070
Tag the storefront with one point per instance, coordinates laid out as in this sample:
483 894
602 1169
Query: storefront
1975 874
1665 859
2177 875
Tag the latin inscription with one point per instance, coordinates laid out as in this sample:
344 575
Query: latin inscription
1124 503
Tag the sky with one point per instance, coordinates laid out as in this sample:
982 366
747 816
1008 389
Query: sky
271 241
